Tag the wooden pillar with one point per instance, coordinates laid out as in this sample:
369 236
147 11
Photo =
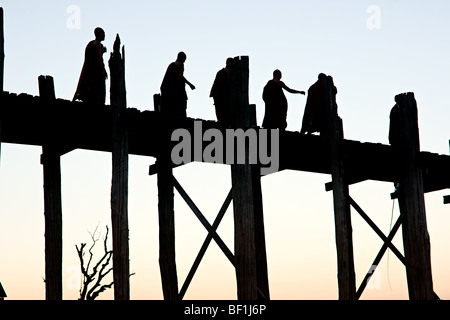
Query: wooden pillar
50 160
260 238
416 240
250 256
2 59
343 227
2 50
166 216
119 184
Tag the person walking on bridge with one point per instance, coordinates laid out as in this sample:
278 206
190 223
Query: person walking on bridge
173 88
91 85
276 104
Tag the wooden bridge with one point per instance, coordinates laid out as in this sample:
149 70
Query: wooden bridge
61 126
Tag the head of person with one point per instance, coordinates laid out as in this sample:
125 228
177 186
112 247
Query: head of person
229 62
181 57
322 76
99 34
277 74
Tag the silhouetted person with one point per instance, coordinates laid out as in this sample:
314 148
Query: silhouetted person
173 91
394 126
220 92
91 85
314 116
276 102
394 132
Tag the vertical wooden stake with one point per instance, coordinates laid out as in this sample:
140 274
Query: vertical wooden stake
416 240
167 261
343 227
260 238
2 50
119 184
50 160
250 257
166 216
2 59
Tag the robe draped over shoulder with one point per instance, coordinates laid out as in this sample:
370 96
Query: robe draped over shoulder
275 106
91 85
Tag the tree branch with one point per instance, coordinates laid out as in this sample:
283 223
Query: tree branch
99 271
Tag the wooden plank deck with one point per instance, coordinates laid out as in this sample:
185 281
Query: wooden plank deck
32 120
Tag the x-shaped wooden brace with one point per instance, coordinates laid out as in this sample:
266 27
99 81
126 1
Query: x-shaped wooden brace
212 234
387 244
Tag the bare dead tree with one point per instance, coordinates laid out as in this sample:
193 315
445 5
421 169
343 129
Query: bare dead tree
92 279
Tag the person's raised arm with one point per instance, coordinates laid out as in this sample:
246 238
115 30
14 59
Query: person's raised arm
285 87
189 84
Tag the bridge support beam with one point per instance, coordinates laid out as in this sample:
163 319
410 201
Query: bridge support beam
2 60
167 261
411 200
50 161
250 251
341 201
2 50
119 183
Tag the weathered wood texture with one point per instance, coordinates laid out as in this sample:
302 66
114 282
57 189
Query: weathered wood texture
416 240
343 227
250 258
50 160
119 183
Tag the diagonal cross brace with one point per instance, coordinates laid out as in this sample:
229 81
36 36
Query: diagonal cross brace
380 255
212 234
387 244
205 245
385 239
203 220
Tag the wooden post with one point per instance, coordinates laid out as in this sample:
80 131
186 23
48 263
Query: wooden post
250 258
119 185
416 240
167 261
2 50
2 59
50 160
343 227
260 238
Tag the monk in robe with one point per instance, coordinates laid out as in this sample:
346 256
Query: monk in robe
91 85
276 104
220 92
394 132
314 116
173 88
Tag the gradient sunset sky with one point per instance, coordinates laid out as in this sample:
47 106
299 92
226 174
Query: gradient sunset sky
373 49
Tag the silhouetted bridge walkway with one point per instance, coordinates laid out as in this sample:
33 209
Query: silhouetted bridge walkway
68 125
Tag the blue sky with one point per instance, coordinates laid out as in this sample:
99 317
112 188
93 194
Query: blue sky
407 51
